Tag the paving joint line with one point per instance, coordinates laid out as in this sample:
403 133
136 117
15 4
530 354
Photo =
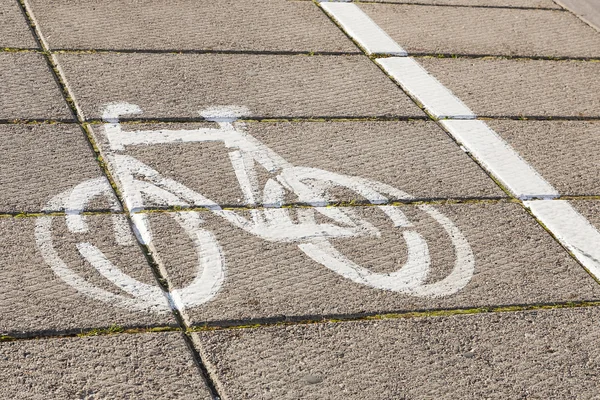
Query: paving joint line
253 323
85 332
403 314
37 214
37 121
583 197
65 92
235 207
301 53
297 119
349 204
400 2
558 118
161 277
257 119
475 56
19 50
207 51
158 272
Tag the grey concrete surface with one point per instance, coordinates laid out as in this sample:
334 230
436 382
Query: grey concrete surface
29 90
587 10
14 31
416 157
516 262
39 162
249 25
541 354
497 31
141 366
35 299
565 153
502 87
481 3
547 354
181 85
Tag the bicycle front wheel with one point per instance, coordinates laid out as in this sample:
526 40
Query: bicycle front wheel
315 187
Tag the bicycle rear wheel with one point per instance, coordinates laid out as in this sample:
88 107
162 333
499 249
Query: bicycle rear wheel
131 293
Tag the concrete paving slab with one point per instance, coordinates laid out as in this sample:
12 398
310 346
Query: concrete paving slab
39 256
504 87
248 25
29 89
39 162
181 85
480 3
14 31
148 366
535 354
416 157
587 10
564 152
497 31
515 262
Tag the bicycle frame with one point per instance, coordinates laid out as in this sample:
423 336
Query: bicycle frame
270 222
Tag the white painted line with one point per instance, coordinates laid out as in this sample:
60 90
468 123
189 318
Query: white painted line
501 160
415 80
362 29
571 229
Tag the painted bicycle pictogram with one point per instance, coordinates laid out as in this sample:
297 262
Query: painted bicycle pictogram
268 220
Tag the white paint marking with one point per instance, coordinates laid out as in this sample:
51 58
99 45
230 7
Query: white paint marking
435 97
141 228
464 266
500 159
571 229
140 182
243 165
123 235
119 139
210 270
112 112
397 216
362 29
225 113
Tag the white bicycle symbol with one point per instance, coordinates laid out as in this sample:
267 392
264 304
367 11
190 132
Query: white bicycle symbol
269 221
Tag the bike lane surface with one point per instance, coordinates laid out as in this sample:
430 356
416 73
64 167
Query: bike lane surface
271 282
